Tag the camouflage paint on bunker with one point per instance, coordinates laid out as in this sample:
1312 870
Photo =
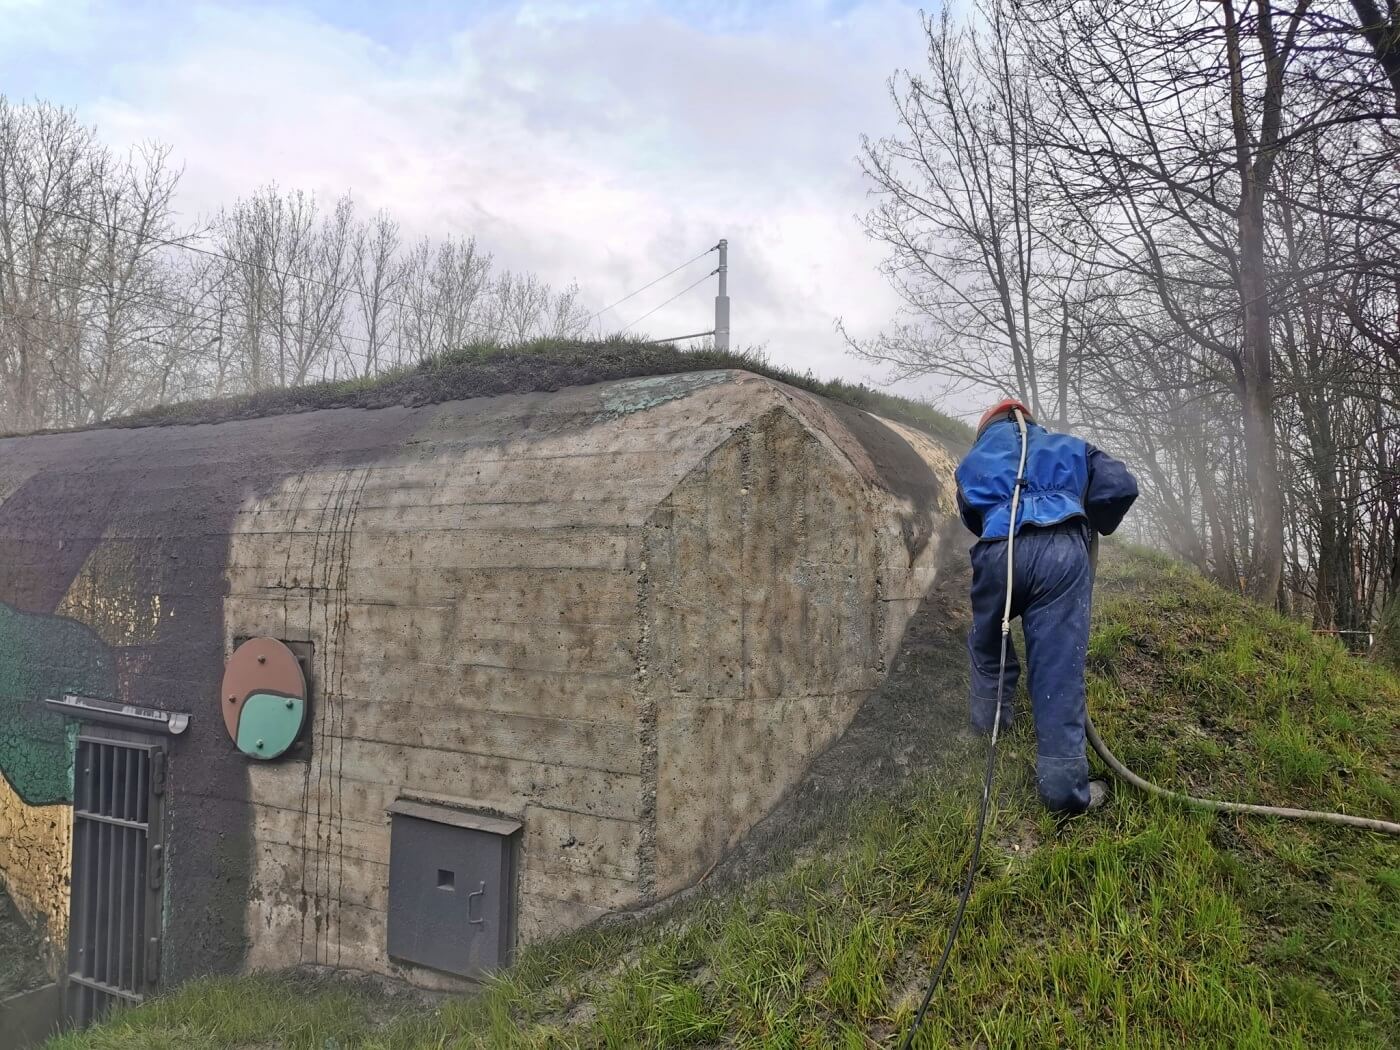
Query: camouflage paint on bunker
44 657
41 656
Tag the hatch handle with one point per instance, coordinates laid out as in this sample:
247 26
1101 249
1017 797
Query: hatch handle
470 897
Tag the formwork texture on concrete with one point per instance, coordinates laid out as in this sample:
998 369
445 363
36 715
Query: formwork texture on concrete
626 615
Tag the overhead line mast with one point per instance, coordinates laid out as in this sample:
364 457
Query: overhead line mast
722 299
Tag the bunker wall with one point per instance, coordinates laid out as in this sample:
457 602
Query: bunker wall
473 615
625 616
780 581
35 851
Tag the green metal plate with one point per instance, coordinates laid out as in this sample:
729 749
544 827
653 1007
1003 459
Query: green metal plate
269 724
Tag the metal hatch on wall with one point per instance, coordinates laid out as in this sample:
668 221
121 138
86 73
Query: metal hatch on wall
451 888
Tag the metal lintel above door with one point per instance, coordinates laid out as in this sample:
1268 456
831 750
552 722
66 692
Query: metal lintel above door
129 716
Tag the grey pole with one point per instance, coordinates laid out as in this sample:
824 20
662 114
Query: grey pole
722 299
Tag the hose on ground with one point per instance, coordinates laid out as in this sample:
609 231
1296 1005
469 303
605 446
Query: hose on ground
1123 773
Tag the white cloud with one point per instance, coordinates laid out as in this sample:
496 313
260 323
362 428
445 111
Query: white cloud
602 145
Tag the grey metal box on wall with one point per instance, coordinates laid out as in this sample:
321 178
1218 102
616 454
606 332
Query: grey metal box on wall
451 888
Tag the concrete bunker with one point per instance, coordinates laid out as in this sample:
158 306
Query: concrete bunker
559 652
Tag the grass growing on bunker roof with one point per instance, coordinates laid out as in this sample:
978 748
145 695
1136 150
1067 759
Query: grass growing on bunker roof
1142 925
488 370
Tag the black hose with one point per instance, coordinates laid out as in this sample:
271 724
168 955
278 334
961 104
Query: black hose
991 743
971 871
1122 772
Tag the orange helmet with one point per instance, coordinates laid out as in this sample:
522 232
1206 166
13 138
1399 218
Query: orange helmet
999 408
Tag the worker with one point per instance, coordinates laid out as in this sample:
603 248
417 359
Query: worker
1071 490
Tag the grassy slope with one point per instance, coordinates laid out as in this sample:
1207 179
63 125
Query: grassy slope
486 370
1143 925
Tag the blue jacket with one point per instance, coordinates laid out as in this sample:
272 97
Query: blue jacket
1066 478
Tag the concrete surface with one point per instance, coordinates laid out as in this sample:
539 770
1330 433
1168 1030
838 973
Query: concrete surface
627 615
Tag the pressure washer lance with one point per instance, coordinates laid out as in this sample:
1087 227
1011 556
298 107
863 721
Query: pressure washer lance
1110 759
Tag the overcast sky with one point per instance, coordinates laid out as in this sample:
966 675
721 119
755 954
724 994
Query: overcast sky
602 143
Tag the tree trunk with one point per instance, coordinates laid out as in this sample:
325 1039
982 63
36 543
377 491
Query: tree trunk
1383 34
1253 163
1261 457
1221 561
1257 396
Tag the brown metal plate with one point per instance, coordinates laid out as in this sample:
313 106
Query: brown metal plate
259 665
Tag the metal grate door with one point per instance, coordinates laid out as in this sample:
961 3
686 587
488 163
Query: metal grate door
114 928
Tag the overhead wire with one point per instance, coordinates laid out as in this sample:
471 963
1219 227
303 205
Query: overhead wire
346 289
669 301
193 308
678 338
211 253
135 334
651 284
229 322
69 322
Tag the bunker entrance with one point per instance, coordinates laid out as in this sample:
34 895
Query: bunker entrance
114 935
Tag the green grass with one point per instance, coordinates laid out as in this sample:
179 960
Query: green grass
1142 925
485 370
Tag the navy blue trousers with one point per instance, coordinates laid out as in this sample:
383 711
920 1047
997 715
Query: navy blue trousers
1051 593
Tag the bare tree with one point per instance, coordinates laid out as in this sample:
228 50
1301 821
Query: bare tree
84 248
318 265
1187 214
107 307
1381 30
565 316
961 209
517 305
377 276
1165 132
446 284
